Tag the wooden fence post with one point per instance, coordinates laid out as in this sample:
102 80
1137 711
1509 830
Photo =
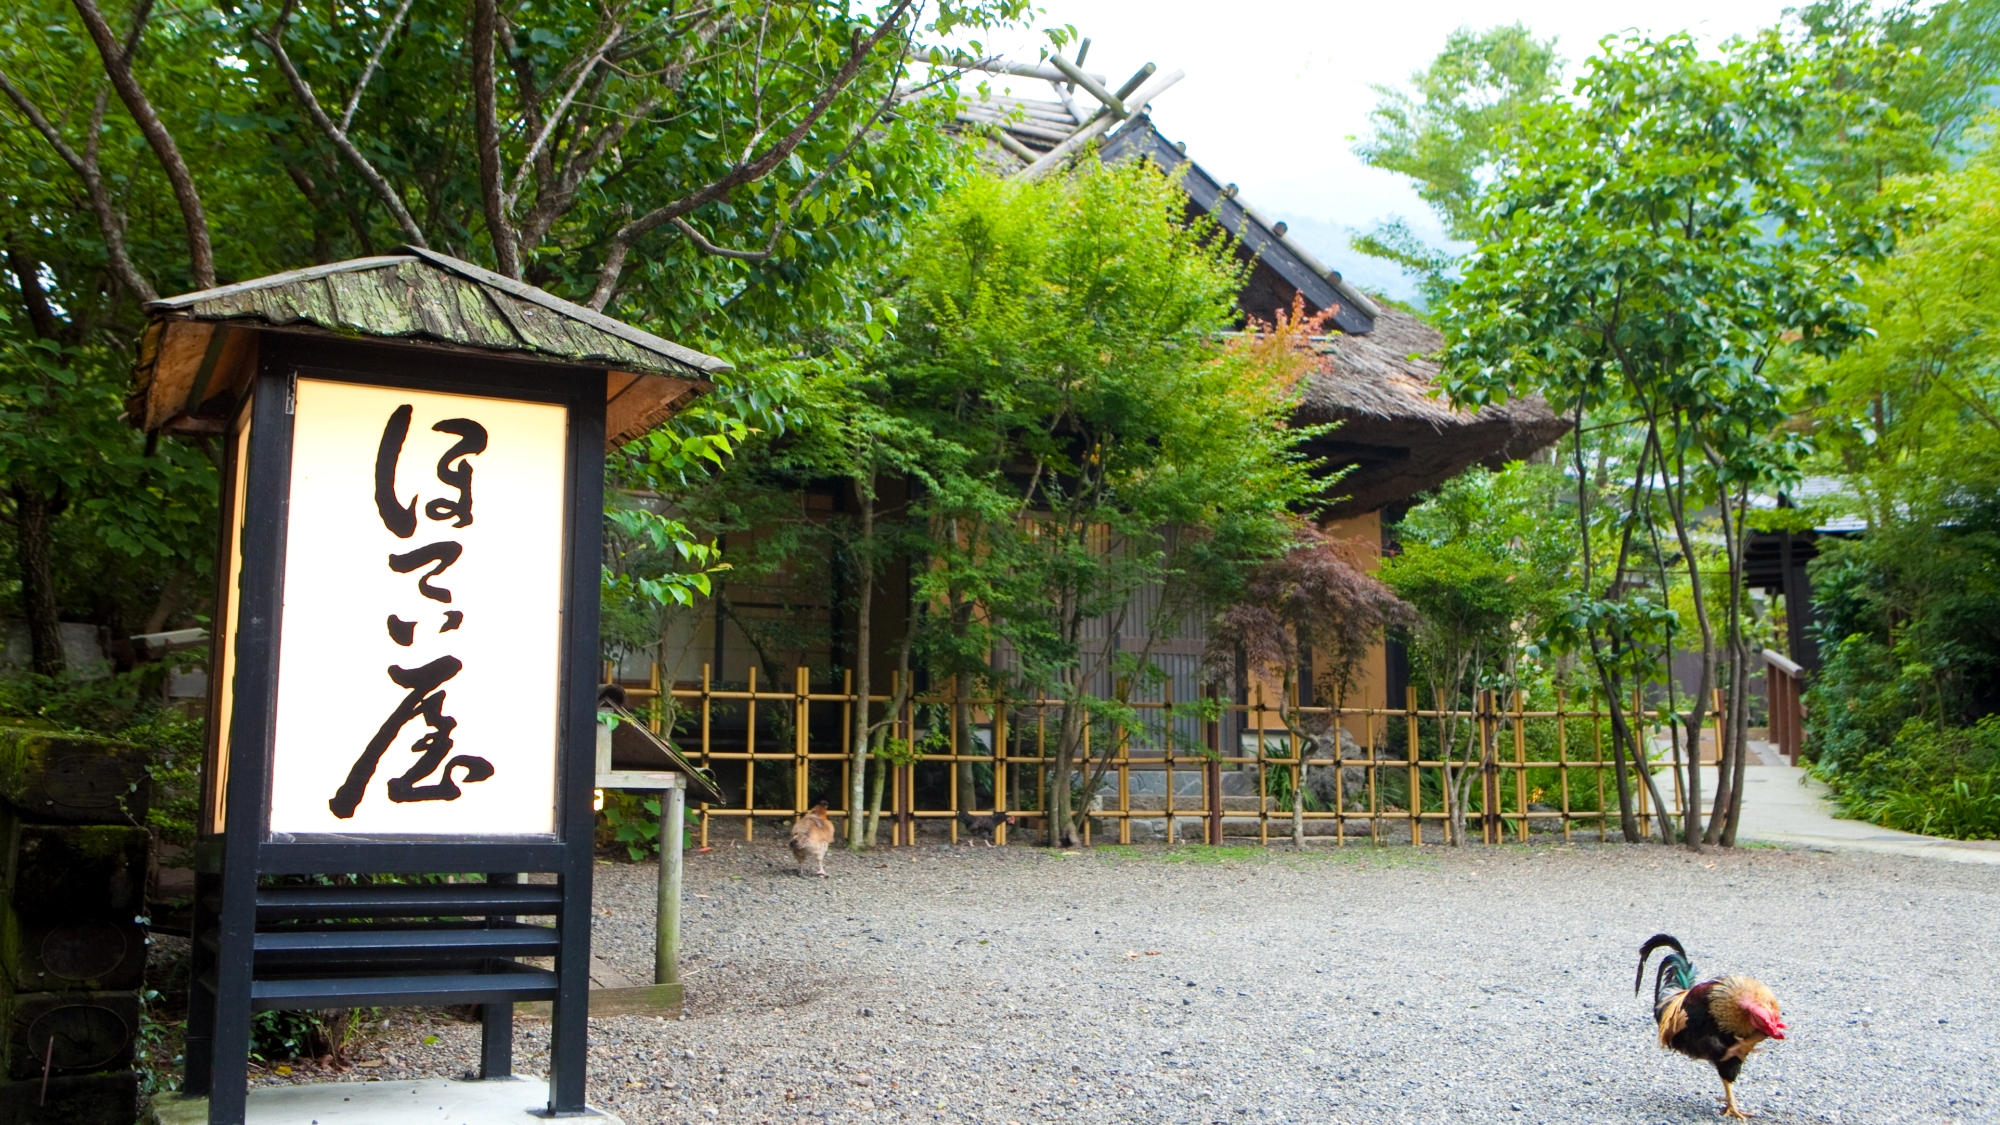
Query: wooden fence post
705 728
1415 803
1212 782
1000 801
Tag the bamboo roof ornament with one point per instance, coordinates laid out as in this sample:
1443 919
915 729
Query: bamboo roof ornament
199 350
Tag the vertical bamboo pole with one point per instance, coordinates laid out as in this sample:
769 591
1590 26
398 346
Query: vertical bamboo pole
1042 766
1562 756
801 720
750 760
1084 828
1521 761
1212 773
1339 785
1167 752
1375 755
1124 785
1640 760
1000 801
1479 719
1416 798
951 783
907 775
1718 734
660 700
1694 753
706 687
1597 748
1263 777
847 741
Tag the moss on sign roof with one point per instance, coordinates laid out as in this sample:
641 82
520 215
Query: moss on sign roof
191 353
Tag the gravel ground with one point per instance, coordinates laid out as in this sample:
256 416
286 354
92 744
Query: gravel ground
1243 985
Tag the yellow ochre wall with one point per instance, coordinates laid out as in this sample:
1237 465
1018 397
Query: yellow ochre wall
1371 685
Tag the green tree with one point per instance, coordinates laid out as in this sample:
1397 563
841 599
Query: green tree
1911 423
1062 335
1449 130
729 176
1315 600
1653 253
1484 564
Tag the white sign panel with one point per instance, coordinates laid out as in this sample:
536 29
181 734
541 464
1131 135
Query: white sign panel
422 628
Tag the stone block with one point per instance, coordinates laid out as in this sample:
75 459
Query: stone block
86 1099
53 775
89 954
67 872
68 1033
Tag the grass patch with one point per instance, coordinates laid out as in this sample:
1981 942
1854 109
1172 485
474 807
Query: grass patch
1205 854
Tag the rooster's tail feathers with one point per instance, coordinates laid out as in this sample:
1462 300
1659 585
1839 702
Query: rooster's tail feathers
1675 966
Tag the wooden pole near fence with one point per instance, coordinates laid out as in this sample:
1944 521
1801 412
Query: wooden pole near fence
705 727
1415 802
1521 762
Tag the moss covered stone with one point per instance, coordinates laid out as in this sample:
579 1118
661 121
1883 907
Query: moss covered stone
71 778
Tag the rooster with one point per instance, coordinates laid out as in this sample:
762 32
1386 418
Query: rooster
810 838
1717 1021
985 827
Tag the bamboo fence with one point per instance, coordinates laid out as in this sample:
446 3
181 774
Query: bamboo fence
721 730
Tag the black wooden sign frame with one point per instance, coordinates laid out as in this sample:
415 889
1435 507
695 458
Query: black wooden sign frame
263 943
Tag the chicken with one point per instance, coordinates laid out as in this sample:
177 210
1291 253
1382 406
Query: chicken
810 838
988 826
1717 1021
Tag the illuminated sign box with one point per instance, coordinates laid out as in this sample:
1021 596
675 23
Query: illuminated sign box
406 666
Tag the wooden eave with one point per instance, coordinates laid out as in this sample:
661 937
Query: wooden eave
199 349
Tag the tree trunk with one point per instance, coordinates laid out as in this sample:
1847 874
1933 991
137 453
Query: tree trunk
169 601
1062 829
1739 730
1730 740
886 730
963 744
875 801
967 745
1621 736
34 547
864 640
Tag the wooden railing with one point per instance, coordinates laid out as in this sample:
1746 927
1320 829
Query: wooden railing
776 751
1784 683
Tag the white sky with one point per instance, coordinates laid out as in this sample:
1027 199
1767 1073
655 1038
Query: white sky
1271 100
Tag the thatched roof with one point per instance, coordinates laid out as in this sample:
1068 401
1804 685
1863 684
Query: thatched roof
1398 438
199 350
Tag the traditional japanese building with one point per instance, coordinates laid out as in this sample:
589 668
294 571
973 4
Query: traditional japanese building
1373 381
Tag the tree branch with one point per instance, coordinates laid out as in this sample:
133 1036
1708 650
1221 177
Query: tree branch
273 41
707 247
562 107
27 275
109 222
118 66
374 61
777 231
486 130
745 171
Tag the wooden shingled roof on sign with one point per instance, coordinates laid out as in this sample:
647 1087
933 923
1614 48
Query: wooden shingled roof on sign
199 349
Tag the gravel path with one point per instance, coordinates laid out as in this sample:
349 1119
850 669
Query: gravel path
1239 985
